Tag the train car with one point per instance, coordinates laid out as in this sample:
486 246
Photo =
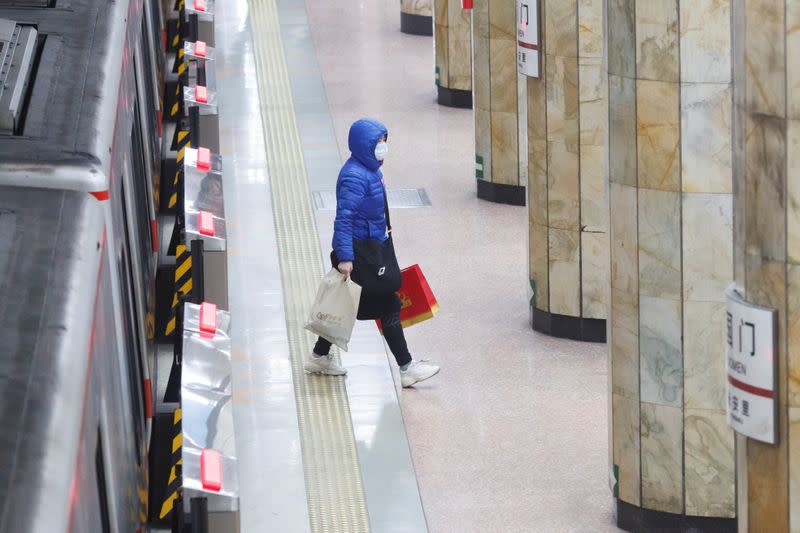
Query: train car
79 124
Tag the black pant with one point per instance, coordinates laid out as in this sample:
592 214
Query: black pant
392 332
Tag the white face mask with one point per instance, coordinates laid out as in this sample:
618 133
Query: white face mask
381 150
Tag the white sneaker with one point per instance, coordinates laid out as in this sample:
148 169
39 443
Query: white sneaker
324 364
417 371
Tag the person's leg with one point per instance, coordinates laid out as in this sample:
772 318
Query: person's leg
393 333
323 347
321 361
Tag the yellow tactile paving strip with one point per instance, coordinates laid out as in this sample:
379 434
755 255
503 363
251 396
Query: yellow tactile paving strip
336 500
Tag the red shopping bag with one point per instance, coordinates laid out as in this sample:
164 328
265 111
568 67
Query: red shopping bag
417 300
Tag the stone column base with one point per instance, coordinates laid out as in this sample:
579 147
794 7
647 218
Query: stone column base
638 520
416 24
454 97
501 193
568 327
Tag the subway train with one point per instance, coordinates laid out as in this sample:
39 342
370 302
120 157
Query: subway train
80 158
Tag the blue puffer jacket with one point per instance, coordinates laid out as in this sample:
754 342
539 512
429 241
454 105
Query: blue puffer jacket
359 191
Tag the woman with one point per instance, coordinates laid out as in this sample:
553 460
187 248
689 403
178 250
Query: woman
360 214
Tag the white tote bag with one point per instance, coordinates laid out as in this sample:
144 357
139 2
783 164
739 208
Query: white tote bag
333 314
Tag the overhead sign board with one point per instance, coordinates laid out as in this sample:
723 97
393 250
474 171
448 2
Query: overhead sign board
528 57
751 368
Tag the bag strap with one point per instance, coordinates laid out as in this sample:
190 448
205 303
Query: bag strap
386 210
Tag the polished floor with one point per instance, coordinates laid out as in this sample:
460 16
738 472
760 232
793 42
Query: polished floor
513 434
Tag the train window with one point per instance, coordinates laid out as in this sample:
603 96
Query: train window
141 180
131 333
100 472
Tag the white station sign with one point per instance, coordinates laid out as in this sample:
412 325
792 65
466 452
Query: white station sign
751 365
528 62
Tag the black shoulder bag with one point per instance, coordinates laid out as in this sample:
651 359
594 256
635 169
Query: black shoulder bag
375 266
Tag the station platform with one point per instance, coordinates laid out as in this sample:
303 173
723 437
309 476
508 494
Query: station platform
512 435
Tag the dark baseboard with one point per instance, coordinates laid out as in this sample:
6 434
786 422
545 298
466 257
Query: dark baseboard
416 24
568 327
501 193
455 97
638 520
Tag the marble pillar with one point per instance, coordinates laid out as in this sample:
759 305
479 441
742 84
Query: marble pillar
453 41
416 17
496 100
766 69
671 249
567 178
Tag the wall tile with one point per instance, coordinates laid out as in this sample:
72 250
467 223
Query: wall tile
624 341
793 58
794 469
593 111
793 191
710 466
704 355
459 57
565 277
503 69
765 186
707 246
657 40
622 130
626 447
503 21
705 33
480 20
765 76
441 52
594 199
483 140
662 458
660 357
706 137
505 152
561 27
562 100
621 38
624 238
659 244
563 189
793 332
482 93
540 265
590 24
594 275
658 135
441 10
417 7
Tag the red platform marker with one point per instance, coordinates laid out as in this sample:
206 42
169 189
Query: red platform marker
201 94
199 5
200 49
208 318
211 469
205 222
204 159
466 4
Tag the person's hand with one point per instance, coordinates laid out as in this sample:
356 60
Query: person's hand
346 268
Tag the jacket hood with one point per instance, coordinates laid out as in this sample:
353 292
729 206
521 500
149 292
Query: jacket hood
363 138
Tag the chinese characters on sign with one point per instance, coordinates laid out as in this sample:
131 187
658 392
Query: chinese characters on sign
750 336
528 38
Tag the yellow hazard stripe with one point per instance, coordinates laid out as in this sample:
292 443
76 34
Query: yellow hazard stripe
173 200
183 269
181 69
186 288
175 108
181 152
170 327
177 442
182 135
176 39
177 416
166 508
